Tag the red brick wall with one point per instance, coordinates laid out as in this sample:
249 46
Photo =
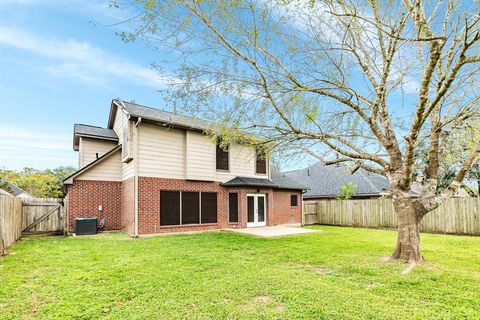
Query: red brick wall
149 203
117 199
128 206
283 212
84 197
279 210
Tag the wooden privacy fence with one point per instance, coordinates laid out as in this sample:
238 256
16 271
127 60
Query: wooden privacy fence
457 216
42 215
10 221
28 216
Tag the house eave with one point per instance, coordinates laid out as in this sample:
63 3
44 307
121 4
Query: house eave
332 196
261 185
76 145
113 112
167 124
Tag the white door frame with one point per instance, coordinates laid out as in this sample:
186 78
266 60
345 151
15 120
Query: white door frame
255 222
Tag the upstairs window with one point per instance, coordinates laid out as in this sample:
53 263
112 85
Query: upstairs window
261 163
222 157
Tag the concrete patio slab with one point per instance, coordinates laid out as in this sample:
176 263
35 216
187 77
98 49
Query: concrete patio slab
274 231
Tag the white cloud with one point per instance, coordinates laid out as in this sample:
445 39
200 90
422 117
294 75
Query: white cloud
20 147
16 137
81 60
93 9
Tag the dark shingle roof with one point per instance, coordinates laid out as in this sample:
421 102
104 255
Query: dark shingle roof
84 130
277 182
285 182
248 182
165 117
326 181
13 189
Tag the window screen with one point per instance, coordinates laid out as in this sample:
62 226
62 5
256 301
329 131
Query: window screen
222 158
261 163
233 207
169 208
190 208
209 207
294 200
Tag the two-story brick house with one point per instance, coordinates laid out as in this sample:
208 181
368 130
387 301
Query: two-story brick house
152 171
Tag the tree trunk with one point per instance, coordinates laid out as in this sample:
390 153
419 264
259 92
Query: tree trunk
409 214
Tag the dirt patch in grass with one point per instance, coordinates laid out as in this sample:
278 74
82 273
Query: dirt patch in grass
35 303
322 271
264 301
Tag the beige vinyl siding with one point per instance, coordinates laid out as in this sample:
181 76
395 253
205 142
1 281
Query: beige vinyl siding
200 157
177 154
90 147
242 163
161 152
120 124
107 170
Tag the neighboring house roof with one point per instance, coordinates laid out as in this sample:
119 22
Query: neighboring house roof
326 181
5 193
16 191
277 182
158 116
87 131
69 179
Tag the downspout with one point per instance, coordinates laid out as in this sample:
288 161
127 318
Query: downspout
303 208
135 174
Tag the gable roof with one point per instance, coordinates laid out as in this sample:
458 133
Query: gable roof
156 115
326 181
88 131
277 182
69 179
14 190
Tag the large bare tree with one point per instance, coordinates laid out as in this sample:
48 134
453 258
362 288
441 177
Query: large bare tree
362 82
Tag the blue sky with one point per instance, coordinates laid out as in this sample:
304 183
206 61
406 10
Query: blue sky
58 68
59 65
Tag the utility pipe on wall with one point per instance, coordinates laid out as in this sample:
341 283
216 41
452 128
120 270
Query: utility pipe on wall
135 174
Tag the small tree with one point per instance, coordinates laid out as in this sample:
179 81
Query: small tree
371 81
347 191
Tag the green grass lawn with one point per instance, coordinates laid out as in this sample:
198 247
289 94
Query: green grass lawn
335 274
